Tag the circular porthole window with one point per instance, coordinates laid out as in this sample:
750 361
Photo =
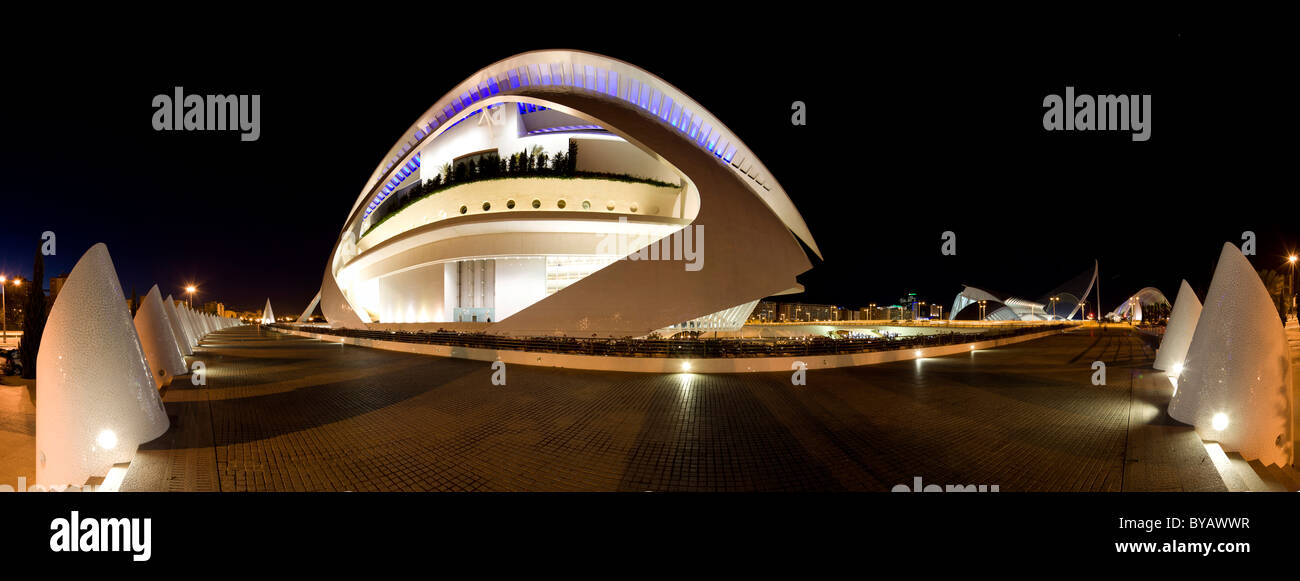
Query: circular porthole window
463 209
537 204
487 206
561 204
586 204
610 206
510 204
633 208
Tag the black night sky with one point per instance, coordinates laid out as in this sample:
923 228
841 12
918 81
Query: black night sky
908 136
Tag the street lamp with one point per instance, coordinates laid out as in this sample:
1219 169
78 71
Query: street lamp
190 291
1290 260
4 308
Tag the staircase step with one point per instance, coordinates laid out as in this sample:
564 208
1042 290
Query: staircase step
1247 474
1267 477
1289 477
1227 472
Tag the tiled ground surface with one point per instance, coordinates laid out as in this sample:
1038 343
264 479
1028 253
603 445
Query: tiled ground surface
281 412
17 432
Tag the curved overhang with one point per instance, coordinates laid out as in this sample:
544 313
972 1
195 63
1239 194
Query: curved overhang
1147 296
527 77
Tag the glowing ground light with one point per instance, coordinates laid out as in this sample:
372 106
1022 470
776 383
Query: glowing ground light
1220 421
686 366
106 439
918 352
1178 369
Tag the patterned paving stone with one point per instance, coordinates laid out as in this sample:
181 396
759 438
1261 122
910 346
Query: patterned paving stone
285 413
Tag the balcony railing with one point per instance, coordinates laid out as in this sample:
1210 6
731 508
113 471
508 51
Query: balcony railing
675 348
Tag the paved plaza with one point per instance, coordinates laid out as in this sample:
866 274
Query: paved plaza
285 413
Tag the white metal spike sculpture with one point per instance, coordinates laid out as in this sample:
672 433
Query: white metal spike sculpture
1178 334
268 316
1235 387
178 327
97 399
160 350
191 333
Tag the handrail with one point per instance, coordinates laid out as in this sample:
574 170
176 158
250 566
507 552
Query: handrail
674 348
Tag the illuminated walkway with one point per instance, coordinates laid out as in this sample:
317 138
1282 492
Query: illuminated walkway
286 413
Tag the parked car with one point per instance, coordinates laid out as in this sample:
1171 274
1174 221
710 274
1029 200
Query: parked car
10 362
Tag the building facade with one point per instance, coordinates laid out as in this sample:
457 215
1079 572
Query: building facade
565 193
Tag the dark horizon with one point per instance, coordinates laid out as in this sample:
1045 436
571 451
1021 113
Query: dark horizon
894 154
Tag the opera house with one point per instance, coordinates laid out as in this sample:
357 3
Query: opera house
562 192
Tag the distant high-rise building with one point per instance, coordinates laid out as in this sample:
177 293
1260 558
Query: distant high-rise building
56 285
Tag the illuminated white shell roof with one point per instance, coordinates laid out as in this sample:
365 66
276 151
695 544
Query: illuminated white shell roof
594 75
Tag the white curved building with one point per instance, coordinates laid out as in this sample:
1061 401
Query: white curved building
564 192
1062 303
1132 306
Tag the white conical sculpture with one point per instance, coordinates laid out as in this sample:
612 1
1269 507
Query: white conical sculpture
97 400
1235 387
198 328
191 334
178 328
155 331
1178 334
268 316
195 333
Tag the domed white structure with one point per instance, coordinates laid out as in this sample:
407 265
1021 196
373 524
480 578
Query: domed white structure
1178 333
1132 306
155 330
1235 387
97 400
178 327
565 192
